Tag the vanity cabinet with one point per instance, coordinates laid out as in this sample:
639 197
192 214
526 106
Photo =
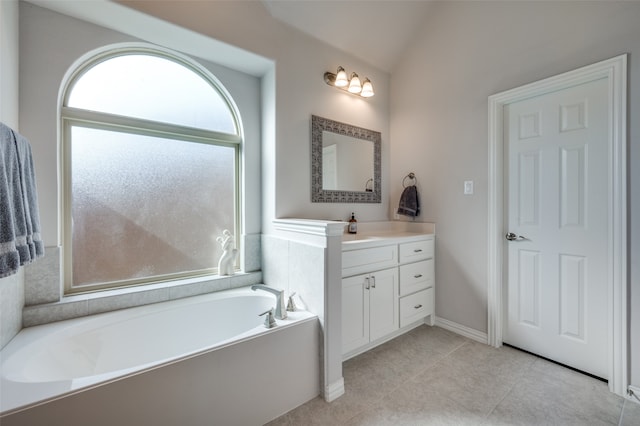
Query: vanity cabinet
387 289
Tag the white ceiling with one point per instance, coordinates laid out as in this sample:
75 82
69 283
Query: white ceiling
375 31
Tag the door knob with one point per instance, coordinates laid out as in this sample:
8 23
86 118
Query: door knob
513 237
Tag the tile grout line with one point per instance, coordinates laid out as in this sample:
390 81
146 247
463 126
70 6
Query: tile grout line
507 393
407 380
624 404
440 360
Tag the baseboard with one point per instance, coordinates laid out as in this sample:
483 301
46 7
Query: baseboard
334 390
462 330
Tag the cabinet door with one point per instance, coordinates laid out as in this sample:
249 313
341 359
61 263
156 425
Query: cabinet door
355 313
383 299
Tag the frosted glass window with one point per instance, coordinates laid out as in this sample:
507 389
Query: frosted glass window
151 154
152 88
146 207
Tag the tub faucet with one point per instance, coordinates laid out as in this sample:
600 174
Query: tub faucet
281 309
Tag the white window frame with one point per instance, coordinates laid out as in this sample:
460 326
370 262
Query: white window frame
70 116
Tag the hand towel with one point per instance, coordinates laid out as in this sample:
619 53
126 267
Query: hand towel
409 204
20 240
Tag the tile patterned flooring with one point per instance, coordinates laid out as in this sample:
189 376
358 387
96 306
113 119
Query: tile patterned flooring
431 376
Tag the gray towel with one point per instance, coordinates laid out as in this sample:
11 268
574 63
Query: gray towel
409 204
20 241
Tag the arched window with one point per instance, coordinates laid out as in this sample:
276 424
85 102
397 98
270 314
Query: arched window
150 153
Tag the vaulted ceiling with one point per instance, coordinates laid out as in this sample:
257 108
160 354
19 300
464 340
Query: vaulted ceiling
376 31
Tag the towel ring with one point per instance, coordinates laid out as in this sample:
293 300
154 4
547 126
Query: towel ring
368 186
411 176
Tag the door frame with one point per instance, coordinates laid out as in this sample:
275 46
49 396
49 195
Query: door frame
615 70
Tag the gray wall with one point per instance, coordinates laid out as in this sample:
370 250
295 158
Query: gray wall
464 53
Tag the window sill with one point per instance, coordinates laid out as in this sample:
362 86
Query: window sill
75 306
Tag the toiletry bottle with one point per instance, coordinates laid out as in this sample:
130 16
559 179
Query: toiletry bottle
353 224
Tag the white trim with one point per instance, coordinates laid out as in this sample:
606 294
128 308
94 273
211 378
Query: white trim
310 226
334 390
462 330
633 394
615 70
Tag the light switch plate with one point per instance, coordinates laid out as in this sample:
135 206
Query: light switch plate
468 187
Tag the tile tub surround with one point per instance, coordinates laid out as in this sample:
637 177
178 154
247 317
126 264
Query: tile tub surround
44 302
112 300
11 301
432 376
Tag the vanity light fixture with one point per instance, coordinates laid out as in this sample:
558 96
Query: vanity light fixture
351 84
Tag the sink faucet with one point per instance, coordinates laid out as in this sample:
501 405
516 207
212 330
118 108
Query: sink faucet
281 310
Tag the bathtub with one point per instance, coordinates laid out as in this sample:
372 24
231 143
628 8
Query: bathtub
204 355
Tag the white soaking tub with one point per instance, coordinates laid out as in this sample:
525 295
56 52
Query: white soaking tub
50 369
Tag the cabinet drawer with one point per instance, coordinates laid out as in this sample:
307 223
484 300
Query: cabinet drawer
416 306
416 276
369 259
417 250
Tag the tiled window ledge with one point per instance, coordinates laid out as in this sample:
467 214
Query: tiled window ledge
45 303
110 300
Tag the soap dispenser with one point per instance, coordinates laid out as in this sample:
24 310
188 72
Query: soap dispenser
353 224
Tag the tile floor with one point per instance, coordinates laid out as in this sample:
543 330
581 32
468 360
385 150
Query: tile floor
431 376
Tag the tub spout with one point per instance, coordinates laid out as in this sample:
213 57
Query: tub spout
281 309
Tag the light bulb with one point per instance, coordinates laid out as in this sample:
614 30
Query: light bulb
354 84
341 78
367 89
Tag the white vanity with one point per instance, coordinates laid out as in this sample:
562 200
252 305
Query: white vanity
387 283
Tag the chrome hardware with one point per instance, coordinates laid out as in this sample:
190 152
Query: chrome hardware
417 250
291 305
417 307
373 285
417 276
269 321
513 237
281 309
366 286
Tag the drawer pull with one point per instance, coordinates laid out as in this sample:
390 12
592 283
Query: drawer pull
417 250
417 276
417 307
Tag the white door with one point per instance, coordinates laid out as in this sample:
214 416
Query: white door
557 192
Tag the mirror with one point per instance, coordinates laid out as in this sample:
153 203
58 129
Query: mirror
345 163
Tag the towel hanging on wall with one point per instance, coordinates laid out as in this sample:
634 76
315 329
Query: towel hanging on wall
409 204
20 240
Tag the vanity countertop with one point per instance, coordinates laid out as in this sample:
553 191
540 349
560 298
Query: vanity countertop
364 240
